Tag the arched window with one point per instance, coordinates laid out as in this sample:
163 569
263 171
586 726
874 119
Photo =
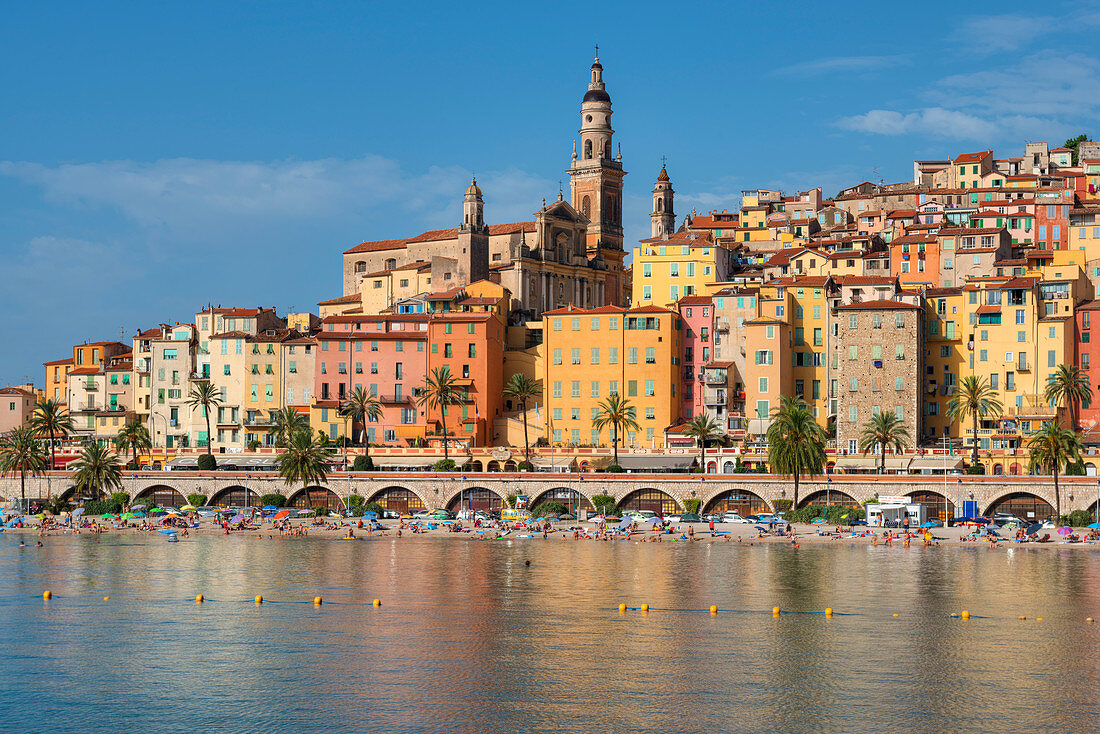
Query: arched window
607 150
391 263
588 149
660 205
586 207
361 267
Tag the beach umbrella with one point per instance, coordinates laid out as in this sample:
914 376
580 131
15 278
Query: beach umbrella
127 516
1093 526
236 518
447 522
761 528
78 512
270 507
281 514
137 514
1034 528
370 513
107 516
168 531
1065 530
930 524
187 508
819 521
625 523
137 507
540 519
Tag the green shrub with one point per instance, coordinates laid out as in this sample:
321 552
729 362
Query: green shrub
833 514
444 465
132 465
56 506
320 511
207 462
511 501
196 499
1077 519
614 469
549 508
362 463
254 444
603 503
1075 470
782 505
354 500
693 505
975 469
120 498
372 507
95 508
526 466
274 498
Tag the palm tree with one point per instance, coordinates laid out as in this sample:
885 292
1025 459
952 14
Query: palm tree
796 442
884 430
133 436
51 420
976 398
285 423
440 389
1070 385
1052 448
203 394
21 451
703 428
305 460
522 388
97 471
361 406
617 412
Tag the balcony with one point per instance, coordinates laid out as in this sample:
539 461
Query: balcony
257 420
391 399
717 397
90 386
717 377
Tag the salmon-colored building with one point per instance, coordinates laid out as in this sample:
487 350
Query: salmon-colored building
471 344
1087 348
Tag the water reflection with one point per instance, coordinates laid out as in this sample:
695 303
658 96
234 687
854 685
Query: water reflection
470 638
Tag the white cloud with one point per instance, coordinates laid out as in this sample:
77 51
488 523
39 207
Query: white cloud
840 64
933 122
992 33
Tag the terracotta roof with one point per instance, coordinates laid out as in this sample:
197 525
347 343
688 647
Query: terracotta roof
973 157
902 214
863 280
479 301
85 371
58 362
231 335
695 301
16 391
878 304
1089 306
970 230
235 312
718 365
353 298
988 308
377 246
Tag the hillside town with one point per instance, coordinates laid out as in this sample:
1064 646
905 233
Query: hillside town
978 277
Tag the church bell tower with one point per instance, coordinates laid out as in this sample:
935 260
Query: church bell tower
596 181
663 218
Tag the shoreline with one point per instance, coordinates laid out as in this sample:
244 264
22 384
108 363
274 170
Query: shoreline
811 535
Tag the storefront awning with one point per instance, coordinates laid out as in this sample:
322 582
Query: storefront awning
414 462
552 463
871 463
936 463
759 426
652 462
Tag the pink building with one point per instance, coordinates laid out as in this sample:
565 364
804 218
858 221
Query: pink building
1087 316
697 340
384 354
16 407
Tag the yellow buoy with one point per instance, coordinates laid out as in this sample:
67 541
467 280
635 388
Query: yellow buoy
1089 619
645 607
377 602
828 611
897 615
965 614
199 599
622 607
1038 619
106 598
1021 617
259 599
47 594
317 600
775 611
714 610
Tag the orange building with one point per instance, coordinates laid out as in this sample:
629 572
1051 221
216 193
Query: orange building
471 344
915 259
57 378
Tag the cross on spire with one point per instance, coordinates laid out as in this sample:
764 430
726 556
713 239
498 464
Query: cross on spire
597 50
664 159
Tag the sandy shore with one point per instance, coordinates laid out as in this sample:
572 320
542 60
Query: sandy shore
724 533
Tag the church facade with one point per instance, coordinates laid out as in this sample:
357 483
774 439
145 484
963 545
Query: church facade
571 253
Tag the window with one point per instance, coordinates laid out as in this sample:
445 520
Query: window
853 385
576 355
852 415
557 356
762 384
649 391
853 352
594 355
632 355
557 388
576 388
650 356
594 389
613 355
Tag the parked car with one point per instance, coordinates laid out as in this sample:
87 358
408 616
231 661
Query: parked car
673 518
390 514
689 517
712 517
733 517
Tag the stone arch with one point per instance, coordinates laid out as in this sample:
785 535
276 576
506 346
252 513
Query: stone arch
824 497
586 206
314 496
998 470
1024 505
234 496
1090 469
69 495
650 499
571 498
399 499
587 149
160 495
475 467
492 466
934 501
511 466
741 501
476 498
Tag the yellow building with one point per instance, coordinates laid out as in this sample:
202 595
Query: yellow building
667 269
801 303
591 353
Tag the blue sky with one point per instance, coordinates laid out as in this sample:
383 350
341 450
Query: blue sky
154 158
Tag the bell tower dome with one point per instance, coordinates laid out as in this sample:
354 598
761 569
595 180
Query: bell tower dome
663 218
